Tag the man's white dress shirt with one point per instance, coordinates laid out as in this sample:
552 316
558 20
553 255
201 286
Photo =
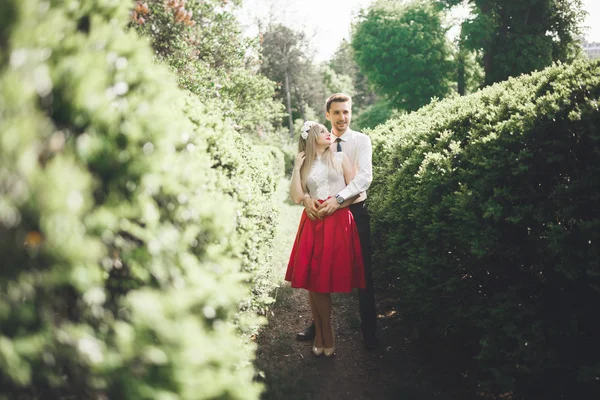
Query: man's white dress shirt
358 148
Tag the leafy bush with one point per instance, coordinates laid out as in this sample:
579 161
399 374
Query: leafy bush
249 174
130 217
486 215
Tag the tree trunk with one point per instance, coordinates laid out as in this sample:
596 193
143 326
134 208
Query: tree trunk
461 73
461 79
300 103
289 103
488 68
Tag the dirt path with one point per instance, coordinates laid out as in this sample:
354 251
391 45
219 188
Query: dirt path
398 369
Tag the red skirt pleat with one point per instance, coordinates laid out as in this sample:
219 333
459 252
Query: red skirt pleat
326 256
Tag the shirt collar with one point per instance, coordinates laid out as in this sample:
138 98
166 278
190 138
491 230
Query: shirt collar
346 136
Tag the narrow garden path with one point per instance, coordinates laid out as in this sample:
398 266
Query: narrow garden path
398 369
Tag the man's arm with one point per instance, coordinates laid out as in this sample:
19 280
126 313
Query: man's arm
361 182
328 209
364 175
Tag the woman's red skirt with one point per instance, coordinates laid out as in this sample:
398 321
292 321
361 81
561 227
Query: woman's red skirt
326 256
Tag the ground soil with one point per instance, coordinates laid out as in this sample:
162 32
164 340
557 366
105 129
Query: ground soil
400 368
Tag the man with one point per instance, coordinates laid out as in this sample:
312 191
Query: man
357 146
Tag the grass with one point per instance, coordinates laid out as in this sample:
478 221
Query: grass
289 217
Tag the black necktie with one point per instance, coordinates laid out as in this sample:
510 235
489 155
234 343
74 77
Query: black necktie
339 146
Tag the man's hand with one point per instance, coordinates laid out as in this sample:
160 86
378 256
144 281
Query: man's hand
328 207
311 206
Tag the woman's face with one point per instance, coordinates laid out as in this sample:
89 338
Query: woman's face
323 138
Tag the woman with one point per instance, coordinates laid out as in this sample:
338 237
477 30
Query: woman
326 256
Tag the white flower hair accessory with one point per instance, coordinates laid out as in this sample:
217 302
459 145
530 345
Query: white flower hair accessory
305 128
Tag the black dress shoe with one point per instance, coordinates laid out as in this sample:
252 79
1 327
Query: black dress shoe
371 342
307 334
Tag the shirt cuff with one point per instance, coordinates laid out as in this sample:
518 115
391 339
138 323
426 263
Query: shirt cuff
345 193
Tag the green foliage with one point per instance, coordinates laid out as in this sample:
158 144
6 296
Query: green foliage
368 111
469 69
336 83
374 115
287 60
202 42
521 36
486 212
131 218
404 52
249 174
343 64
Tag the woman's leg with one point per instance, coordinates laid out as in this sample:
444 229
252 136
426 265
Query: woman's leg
323 303
318 342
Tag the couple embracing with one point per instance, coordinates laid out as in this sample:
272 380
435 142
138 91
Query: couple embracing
332 250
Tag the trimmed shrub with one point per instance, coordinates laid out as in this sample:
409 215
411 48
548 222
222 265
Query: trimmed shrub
486 218
249 173
130 218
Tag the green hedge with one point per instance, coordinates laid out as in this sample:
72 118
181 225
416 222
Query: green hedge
487 221
249 174
131 218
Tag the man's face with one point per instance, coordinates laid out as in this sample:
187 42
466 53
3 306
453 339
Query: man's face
339 115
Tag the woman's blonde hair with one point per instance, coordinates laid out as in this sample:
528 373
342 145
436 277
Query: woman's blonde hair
309 147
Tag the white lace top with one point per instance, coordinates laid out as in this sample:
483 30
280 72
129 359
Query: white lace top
324 182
